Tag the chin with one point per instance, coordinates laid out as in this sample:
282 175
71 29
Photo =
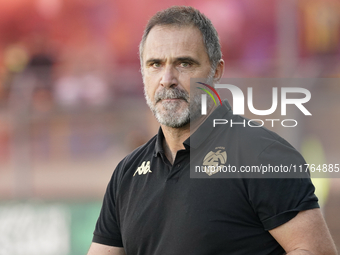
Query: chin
174 119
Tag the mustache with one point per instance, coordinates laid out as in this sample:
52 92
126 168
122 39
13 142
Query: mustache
172 93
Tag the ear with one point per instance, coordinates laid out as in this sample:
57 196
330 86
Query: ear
219 70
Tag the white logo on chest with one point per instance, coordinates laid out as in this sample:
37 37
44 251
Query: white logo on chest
143 169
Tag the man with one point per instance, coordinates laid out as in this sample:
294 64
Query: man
152 206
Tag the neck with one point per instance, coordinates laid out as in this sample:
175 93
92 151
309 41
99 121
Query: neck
174 137
173 140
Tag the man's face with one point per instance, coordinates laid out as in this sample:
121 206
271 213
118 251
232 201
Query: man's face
172 55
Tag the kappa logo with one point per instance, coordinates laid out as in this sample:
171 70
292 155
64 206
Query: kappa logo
143 169
214 159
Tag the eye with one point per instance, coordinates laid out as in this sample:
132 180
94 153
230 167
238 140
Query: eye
156 65
185 64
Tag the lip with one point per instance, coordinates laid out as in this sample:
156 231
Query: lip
169 100
172 99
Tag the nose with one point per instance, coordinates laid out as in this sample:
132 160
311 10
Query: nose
169 77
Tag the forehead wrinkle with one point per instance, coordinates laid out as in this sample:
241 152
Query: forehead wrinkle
161 45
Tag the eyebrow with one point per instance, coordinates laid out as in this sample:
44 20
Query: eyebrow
179 59
153 60
187 59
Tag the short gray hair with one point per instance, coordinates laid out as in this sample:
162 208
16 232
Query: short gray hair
186 16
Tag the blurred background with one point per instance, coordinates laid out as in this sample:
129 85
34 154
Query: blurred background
72 104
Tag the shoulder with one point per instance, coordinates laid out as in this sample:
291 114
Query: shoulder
254 146
134 159
251 136
146 150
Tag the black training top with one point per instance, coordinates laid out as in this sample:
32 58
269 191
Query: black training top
154 208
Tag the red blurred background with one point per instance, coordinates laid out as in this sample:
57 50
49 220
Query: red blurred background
71 93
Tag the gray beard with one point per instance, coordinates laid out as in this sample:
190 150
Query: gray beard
172 115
